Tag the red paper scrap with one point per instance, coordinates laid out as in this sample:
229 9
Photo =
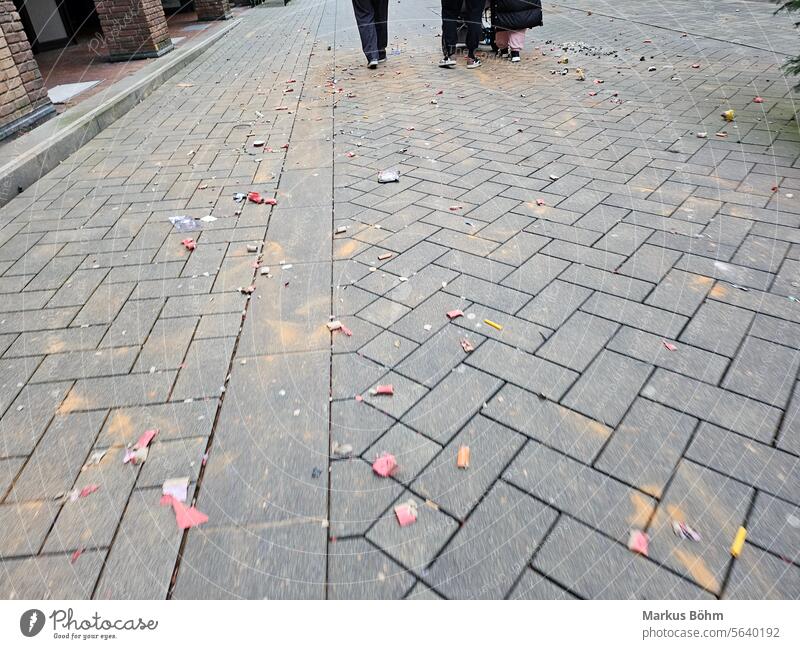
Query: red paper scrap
74 557
189 244
384 465
359 397
540 201
467 346
145 439
254 197
638 542
758 100
669 346
405 515
385 389
455 313
88 489
185 517
345 331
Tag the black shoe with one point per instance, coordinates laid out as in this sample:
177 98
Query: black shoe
514 57
503 53
382 56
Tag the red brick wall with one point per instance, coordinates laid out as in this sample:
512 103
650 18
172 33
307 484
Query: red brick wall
212 9
133 28
21 89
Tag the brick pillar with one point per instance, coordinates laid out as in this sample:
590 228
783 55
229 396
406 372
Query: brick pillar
212 9
23 97
134 29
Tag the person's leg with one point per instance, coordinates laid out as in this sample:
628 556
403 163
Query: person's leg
381 8
365 19
450 11
474 25
501 38
516 40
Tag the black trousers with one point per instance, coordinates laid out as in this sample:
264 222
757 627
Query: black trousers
371 18
451 9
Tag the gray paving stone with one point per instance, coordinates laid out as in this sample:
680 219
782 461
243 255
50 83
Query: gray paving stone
712 404
650 263
420 591
383 312
388 349
591 396
489 294
76 365
130 390
358 497
434 360
173 421
579 490
493 546
634 314
774 525
762 466
406 394
554 304
416 545
764 371
536 273
9 467
264 562
357 424
411 450
758 575
456 490
172 459
718 327
25 421
51 577
431 313
598 568
646 447
685 359
578 341
25 526
357 570
712 505
680 292
533 586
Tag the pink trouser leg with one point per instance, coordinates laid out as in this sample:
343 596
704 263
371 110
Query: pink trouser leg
501 38
516 40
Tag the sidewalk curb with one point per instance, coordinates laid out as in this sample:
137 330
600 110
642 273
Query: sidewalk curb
29 157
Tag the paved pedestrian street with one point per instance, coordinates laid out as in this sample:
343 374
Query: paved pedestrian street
625 357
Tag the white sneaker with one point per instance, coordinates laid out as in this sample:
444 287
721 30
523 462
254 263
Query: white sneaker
372 64
447 62
473 63
515 57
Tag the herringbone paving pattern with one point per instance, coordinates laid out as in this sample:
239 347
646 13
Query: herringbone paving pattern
643 280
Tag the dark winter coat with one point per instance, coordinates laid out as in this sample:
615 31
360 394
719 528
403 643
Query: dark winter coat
516 14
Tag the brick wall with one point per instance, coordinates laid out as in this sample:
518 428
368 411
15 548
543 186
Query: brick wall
134 29
21 89
212 9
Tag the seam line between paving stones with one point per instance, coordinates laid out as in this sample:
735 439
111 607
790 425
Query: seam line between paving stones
217 414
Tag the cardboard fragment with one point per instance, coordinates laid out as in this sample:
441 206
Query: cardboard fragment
145 438
467 346
385 255
384 465
462 459
334 326
455 313
176 488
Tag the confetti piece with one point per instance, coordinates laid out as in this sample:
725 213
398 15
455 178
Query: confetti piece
758 100
74 556
406 513
738 542
185 517
88 489
384 389
189 244
669 346
455 313
145 438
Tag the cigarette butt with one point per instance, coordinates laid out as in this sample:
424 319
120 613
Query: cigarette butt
738 542
462 460
494 325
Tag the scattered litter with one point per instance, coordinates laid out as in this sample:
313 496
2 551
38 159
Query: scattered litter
669 346
252 247
598 81
347 332
729 115
384 465
455 313
467 346
455 208
342 450
385 255
341 229
389 176
286 267
494 325
683 531
462 459
383 389
738 542
185 517
580 74
758 100
239 197
208 218
406 513
702 135
87 490
334 326
695 66
427 327
316 473
554 177
259 143
264 270
137 453
189 244
638 542
176 488
350 154
652 68
184 223
247 290
94 459
74 556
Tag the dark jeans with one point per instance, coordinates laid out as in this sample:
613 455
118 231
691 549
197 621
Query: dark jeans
473 12
372 17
